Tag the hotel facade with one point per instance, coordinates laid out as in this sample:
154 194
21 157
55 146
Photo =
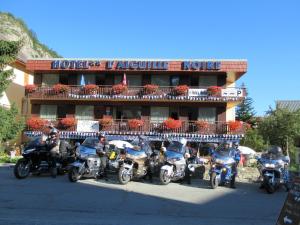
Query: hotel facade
195 99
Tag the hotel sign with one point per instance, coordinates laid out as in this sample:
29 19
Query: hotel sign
201 65
74 64
138 65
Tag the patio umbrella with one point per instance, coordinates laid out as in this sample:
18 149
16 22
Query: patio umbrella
82 80
246 150
124 81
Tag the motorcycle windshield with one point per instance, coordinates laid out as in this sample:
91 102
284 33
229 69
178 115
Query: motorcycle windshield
226 156
177 147
172 154
84 150
271 158
90 142
134 152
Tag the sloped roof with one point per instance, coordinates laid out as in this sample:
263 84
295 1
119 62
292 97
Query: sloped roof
291 105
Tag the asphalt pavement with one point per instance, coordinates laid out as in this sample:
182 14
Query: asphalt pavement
42 200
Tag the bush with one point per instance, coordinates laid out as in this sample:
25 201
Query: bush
118 89
36 123
150 89
214 90
135 123
181 90
170 123
235 125
30 88
60 88
254 140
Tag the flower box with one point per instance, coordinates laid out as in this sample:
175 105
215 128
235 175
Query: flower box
67 122
214 91
150 89
106 122
181 90
118 89
30 88
202 125
36 123
60 88
172 124
235 125
90 89
135 123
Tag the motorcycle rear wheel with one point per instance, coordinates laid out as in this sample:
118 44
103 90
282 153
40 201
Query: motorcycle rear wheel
123 176
22 169
213 180
74 175
164 178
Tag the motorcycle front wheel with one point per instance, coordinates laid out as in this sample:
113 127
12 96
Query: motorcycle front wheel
74 175
213 180
123 176
22 169
164 178
270 188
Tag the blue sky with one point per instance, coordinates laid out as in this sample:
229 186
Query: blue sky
266 33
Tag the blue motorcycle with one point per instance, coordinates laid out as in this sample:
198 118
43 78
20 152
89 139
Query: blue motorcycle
223 168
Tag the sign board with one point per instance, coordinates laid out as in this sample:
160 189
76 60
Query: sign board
290 212
232 92
197 92
87 126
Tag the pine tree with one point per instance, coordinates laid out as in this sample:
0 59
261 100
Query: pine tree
245 111
10 120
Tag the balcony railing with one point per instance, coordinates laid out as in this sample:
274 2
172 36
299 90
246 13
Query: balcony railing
152 127
134 93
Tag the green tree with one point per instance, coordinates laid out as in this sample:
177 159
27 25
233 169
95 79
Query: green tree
11 123
254 140
245 111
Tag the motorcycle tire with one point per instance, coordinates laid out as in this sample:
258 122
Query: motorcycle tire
25 173
164 179
269 187
213 180
232 182
73 175
122 177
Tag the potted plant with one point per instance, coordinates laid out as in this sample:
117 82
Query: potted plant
119 89
149 89
181 90
67 123
214 91
202 125
106 122
30 88
90 89
36 123
60 88
135 123
172 124
235 125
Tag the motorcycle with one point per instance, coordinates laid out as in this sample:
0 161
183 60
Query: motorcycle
274 172
222 168
175 166
138 162
36 160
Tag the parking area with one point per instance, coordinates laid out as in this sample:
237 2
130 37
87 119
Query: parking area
44 200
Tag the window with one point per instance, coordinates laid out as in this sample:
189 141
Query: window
159 114
48 112
174 80
84 112
50 79
88 79
208 114
161 80
205 81
130 112
132 79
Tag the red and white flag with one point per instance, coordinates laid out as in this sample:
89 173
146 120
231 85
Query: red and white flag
124 81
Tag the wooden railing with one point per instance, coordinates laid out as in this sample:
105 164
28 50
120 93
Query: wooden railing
138 93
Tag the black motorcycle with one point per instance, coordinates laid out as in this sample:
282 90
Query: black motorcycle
36 160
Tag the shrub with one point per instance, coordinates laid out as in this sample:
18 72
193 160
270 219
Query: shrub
60 88
202 124
181 89
170 123
214 90
135 123
90 89
118 89
67 122
150 89
36 123
235 125
30 88
106 122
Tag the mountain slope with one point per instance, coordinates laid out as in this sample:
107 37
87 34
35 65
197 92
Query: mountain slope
12 29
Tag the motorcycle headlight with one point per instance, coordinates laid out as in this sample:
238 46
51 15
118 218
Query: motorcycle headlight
27 151
171 160
269 165
219 161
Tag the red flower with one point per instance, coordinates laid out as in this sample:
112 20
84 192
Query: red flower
60 88
214 90
181 89
106 122
135 123
150 89
202 124
235 125
67 122
170 123
118 89
30 88
36 123
90 89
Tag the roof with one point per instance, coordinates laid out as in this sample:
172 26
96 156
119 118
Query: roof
291 105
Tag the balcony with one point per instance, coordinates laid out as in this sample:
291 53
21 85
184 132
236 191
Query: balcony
188 129
180 93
